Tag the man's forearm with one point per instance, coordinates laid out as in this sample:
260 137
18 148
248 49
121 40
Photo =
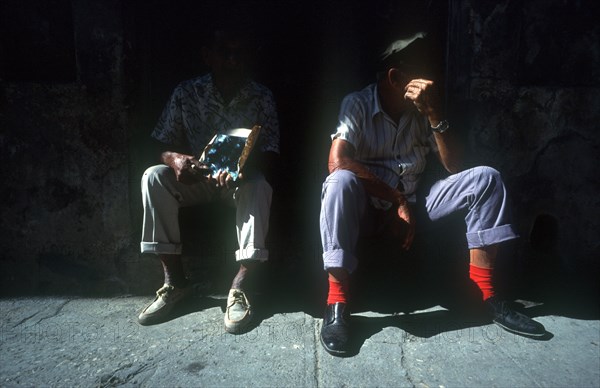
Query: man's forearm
426 99
373 185
450 150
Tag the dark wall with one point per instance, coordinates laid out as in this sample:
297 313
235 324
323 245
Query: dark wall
65 219
83 83
525 81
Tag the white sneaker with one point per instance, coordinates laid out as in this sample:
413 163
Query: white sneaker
238 313
166 298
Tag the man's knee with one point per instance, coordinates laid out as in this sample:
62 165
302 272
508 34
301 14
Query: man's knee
342 189
489 183
156 175
341 180
488 173
257 186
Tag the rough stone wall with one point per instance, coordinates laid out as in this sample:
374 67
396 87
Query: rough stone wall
65 211
526 78
522 78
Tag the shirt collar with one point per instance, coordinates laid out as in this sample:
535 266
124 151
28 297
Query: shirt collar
244 93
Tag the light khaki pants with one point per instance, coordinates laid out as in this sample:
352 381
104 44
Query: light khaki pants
162 197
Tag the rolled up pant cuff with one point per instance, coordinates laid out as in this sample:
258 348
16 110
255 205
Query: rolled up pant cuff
160 248
338 258
487 237
256 254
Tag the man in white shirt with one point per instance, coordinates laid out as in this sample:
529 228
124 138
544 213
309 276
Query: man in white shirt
378 153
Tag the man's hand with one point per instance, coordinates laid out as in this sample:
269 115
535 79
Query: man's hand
423 93
188 170
223 179
404 215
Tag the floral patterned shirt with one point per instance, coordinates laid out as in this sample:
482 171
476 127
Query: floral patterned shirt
196 112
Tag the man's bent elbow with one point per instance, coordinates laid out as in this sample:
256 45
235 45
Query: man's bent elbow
332 167
337 164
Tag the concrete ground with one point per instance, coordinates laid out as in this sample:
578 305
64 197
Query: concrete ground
74 341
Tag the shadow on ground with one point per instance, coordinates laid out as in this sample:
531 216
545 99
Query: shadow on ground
394 297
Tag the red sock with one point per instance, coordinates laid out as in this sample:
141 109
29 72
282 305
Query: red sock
338 292
483 278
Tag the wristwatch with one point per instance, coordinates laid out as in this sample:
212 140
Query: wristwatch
441 127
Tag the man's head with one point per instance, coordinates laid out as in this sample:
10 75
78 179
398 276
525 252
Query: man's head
401 61
405 56
227 55
403 50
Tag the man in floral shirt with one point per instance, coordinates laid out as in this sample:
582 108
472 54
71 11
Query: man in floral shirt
199 108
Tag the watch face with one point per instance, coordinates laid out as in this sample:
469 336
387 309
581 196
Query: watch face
441 127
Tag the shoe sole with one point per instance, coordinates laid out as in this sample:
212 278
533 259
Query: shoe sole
156 319
239 328
236 330
535 335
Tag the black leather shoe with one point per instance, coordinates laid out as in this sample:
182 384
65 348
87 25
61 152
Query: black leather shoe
510 320
335 332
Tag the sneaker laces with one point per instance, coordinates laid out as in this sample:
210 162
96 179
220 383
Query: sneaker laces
165 291
239 297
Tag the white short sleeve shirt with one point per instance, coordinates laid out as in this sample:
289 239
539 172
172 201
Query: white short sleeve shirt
394 153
